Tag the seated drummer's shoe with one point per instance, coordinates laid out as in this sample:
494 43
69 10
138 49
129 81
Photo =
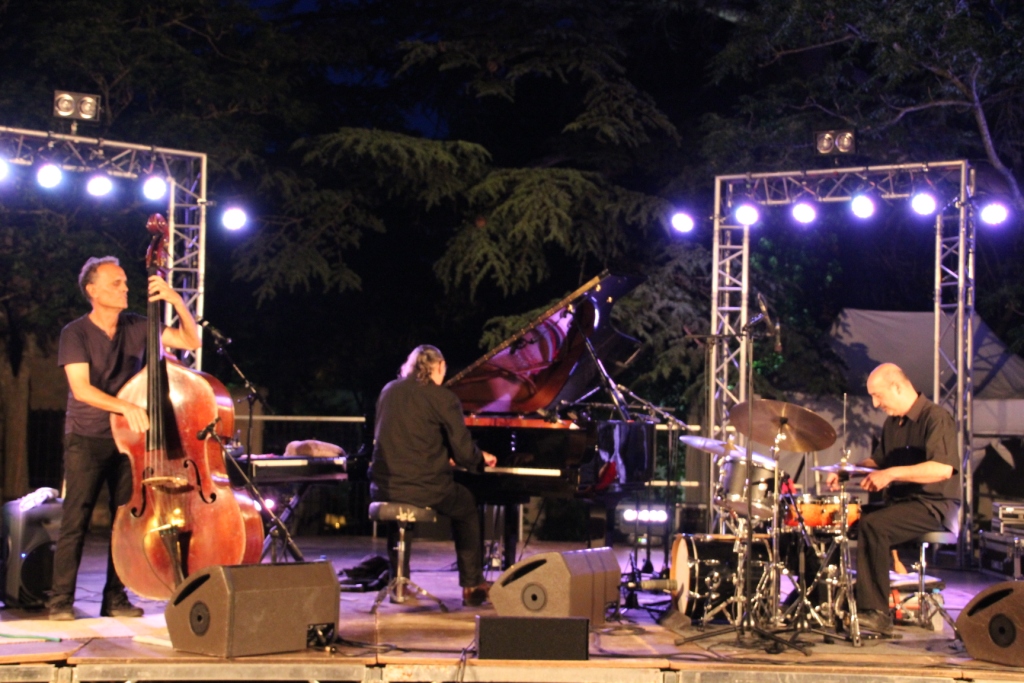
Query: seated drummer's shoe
873 620
118 605
474 596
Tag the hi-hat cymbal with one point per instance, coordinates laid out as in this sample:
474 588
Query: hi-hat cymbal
843 468
726 448
802 429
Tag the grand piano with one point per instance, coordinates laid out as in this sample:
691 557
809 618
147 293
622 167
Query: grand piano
524 402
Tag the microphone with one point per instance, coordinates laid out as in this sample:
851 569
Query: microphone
763 305
217 335
207 431
774 327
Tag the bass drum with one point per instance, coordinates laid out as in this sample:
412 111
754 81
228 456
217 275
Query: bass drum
704 569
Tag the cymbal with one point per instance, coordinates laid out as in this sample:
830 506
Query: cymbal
803 429
843 468
726 448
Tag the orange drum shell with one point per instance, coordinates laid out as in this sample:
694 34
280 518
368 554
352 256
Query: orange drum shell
822 512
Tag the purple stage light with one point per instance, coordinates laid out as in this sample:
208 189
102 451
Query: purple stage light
862 206
746 214
923 204
682 222
804 212
994 213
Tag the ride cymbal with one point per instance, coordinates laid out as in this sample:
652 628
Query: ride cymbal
843 468
802 430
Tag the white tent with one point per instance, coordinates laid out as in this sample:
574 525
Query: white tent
865 339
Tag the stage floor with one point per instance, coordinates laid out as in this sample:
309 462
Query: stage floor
417 642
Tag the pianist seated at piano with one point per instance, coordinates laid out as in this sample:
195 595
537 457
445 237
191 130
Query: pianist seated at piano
419 431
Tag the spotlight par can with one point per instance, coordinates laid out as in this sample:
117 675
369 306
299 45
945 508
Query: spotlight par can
154 188
824 142
49 176
804 212
994 213
747 214
76 105
923 204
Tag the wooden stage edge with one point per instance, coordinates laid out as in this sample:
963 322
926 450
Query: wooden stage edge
415 642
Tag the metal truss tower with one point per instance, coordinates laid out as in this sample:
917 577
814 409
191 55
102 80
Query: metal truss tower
184 172
953 184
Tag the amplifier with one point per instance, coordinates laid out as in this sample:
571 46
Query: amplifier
1008 511
1000 554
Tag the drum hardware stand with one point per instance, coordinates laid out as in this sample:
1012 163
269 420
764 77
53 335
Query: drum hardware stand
843 585
746 623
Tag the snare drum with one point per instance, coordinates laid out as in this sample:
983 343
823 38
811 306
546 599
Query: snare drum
821 513
732 487
704 568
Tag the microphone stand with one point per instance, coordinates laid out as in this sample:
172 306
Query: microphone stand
220 342
278 530
674 424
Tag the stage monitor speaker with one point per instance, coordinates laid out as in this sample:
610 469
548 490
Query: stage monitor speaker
565 638
577 583
254 609
992 624
29 539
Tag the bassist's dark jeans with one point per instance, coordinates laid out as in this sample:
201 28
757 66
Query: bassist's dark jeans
89 464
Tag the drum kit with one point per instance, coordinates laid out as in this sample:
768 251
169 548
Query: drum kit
711 571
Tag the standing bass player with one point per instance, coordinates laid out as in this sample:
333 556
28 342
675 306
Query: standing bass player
99 353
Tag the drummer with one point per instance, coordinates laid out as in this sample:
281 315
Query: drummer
914 464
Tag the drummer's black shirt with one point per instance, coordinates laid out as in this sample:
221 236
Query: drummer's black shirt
926 432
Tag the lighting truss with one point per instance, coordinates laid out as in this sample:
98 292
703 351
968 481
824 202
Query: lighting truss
185 173
953 183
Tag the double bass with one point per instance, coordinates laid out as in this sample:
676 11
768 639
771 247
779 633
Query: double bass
183 514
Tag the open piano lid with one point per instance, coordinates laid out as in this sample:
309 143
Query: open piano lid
546 364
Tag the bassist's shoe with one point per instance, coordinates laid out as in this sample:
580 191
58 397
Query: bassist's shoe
119 606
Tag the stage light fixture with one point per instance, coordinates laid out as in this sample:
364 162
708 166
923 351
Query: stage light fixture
99 186
234 218
924 203
994 213
682 222
154 188
839 141
862 206
49 176
804 212
632 516
5 169
746 214
76 105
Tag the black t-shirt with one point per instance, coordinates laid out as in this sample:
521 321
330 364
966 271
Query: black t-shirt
418 428
112 362
927 432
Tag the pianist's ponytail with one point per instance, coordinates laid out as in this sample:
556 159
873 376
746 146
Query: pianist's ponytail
419 363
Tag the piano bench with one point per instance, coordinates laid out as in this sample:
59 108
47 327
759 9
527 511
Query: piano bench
402 513
405 516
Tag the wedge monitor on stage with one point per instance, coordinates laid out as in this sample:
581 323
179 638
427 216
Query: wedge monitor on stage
29 539
254 609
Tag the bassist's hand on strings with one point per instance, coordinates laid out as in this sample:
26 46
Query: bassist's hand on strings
138 419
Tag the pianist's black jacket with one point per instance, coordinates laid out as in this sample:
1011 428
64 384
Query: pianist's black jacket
418 428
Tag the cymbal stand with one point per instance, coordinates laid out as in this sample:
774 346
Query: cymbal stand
746 622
